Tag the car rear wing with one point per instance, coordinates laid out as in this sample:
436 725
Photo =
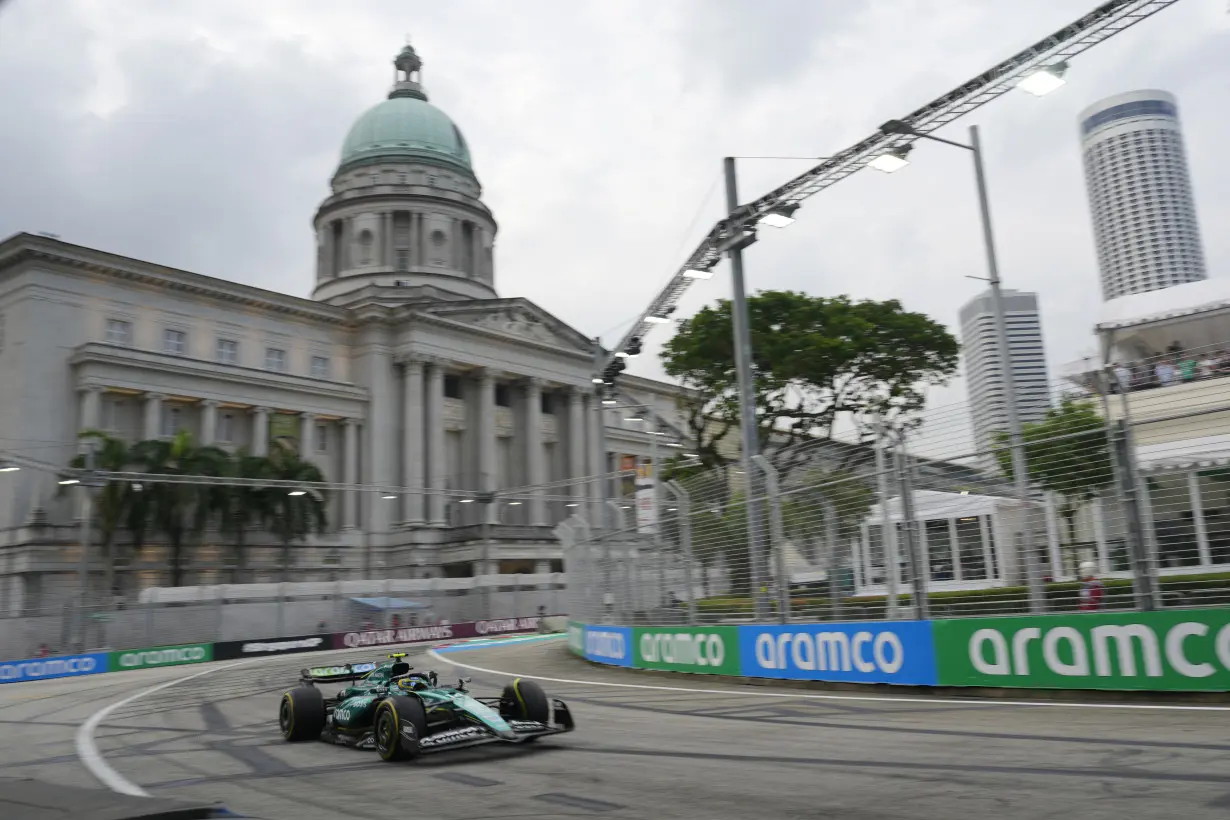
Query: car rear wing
335 673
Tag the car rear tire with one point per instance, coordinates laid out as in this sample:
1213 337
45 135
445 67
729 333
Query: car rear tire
301 714
393 717
524 700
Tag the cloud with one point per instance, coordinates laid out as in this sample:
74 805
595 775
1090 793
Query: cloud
202 135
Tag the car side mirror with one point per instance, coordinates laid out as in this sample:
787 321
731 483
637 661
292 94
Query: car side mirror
461 683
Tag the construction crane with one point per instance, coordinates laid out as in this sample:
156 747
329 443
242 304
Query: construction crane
1045 60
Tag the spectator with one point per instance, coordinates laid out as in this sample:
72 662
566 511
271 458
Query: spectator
1165 373
1187 369
1208 365
1123 375
1092 589
396 621
322 627
43 650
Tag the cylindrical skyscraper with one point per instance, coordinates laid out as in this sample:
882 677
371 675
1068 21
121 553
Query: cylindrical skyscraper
1144 217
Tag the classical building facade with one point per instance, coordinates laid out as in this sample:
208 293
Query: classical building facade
405 373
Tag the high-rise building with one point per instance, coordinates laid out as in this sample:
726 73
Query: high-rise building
984 371
1144 217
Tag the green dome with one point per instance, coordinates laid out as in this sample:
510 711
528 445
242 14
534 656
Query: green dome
405 128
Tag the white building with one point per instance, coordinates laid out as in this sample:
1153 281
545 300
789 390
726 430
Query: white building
405 370
1144 216
984 372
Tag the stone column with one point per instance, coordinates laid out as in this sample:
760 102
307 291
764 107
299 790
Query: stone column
418 239
260 431
576 444
307 435
209 422
454 244
91 405
153 415
438 469
486 437
386 239
535 461
350 473
347 244
412 442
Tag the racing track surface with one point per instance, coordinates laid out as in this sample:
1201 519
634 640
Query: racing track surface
728 751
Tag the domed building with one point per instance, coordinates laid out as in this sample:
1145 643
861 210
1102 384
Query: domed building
462 425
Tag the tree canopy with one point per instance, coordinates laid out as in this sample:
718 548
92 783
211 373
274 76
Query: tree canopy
815 358
1067 453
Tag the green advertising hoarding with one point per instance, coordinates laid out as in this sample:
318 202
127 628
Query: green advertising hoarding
160 656
710 650
1175 650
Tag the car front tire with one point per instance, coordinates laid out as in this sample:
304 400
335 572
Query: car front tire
301 714
398 725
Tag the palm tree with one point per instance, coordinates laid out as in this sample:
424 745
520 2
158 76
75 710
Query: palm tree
114 500
294 516
178 510
243 508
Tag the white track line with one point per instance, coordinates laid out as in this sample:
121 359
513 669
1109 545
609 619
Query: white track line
87 749
750 692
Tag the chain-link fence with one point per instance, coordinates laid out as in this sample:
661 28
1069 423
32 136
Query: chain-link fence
1128 506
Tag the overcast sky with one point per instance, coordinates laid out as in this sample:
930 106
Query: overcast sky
201 134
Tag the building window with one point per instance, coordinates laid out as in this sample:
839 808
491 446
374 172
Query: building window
226 428
174 342
502 397
548 404
119 332
320 367
228 351
402 260
366 240
322 438
275 360
452 387
171 416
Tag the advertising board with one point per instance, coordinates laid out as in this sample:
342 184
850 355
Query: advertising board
230 650
576 638
1176 650
60 666
160 656
900 652
609 644
711 650
441 632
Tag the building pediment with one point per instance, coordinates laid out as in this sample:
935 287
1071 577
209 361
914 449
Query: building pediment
518 319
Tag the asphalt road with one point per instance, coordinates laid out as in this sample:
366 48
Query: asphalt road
727 751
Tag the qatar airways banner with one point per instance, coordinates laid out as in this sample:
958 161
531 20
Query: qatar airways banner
442 632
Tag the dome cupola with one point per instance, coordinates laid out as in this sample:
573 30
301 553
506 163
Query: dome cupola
405 220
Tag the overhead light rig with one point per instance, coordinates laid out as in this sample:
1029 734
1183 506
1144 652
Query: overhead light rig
1037 70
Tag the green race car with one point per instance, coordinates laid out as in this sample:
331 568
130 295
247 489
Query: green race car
402 713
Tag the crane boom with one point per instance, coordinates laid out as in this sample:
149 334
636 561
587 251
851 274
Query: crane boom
1099 25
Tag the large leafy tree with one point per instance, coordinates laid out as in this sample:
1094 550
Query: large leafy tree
1068 453
816 359
293 517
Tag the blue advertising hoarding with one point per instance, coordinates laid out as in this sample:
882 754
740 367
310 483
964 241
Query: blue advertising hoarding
609 644
900 652
61 666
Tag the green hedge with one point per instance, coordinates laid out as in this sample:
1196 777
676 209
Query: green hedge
1212 589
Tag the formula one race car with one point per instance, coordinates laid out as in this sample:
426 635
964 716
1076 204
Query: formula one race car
402 713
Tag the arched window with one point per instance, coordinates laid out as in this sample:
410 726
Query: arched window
366 240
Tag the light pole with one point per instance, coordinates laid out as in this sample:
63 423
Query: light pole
896 160
738 238
89 481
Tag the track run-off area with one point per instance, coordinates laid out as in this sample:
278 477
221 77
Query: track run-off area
646 746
